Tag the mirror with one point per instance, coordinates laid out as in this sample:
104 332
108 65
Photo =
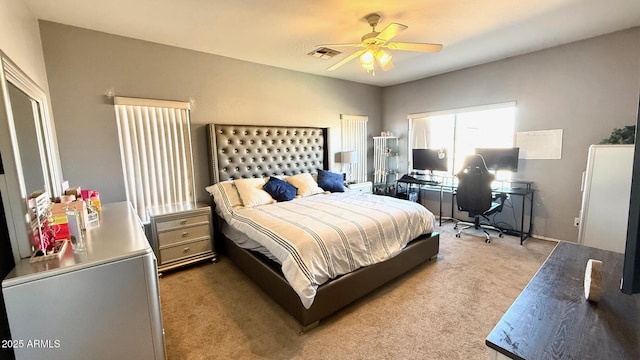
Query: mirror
28 148
26 117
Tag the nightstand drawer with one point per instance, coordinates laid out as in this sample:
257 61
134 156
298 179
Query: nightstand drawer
186 221
183 234
364 187
185 250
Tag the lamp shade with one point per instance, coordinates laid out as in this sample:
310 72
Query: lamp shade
350 157
367 60
384 59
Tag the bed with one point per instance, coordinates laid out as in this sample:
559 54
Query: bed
240 154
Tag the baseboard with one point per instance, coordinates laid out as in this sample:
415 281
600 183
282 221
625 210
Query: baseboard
545 238
540 237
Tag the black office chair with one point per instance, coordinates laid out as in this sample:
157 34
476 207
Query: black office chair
474 195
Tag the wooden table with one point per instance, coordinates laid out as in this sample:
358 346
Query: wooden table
552 320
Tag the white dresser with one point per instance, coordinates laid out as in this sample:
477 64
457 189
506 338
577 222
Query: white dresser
103 303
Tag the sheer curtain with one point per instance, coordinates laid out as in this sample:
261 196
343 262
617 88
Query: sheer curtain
155 149
354 137
419 134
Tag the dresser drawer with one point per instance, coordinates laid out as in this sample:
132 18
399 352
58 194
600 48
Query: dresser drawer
183 234
186 221
185 250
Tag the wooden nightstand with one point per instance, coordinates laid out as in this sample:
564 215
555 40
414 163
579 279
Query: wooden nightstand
364 187
181 235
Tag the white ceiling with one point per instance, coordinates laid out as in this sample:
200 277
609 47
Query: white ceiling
281 32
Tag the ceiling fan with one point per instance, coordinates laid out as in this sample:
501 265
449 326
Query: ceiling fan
373 45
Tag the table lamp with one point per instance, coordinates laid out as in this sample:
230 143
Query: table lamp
349 157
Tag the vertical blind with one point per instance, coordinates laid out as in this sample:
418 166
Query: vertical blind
155 149
354 137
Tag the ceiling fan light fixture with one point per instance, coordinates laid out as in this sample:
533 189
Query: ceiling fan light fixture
370 68
383 57
367 60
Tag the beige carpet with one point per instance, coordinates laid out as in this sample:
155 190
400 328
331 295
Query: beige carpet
443 309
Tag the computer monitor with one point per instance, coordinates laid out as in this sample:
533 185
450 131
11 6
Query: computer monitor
430 159
500 158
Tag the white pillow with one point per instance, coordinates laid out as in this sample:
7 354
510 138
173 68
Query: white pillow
225 191
226 197
251 192
305 184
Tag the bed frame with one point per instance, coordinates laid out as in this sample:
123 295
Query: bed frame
240 151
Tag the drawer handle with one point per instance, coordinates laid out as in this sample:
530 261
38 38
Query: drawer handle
185 234
185 250
182 222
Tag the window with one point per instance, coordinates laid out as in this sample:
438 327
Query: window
354 137
155 149
461 131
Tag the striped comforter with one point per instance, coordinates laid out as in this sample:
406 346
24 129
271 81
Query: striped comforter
320 237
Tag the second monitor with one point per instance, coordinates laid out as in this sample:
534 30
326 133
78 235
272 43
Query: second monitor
430 159
500 158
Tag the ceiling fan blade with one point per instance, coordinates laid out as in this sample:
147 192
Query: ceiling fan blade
390 31
346 60
424 47
339 45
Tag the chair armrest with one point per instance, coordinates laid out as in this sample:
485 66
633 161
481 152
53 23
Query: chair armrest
500 196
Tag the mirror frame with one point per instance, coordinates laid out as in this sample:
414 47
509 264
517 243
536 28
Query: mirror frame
13 189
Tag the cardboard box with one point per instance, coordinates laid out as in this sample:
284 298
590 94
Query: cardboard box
77 191
58 209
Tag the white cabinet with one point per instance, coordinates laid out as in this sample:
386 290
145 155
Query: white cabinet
99 304
605 197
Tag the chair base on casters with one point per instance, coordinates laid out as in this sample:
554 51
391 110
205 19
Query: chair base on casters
462 225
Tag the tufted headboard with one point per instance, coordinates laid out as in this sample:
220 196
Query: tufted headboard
244 151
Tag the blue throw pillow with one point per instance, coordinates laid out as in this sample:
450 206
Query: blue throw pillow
280 190
330 181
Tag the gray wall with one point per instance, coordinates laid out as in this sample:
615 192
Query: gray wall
586 88
20 40
82 65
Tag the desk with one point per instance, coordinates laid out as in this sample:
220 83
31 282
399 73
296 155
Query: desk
518 188
552 320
